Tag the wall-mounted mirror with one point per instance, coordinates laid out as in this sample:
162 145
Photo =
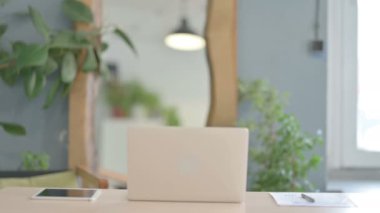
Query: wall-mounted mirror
170 81
177 79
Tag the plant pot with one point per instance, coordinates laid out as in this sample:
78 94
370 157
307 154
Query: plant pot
118 112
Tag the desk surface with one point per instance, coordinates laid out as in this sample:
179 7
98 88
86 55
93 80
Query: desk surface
115 201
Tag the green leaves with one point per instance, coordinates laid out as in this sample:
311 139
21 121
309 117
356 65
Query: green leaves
9 78
30 83
3 29
104 71
30 55
171 117
281 145
50 66
125 38
13 129
17 47
66 89
68 68
33 63
9 75
314 161
104 46
35 162
39 23
34 82
4 57
90 63
3 2
77 11
40 84
52 93
69 40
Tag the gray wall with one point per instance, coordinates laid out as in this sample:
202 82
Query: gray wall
273 39
46 128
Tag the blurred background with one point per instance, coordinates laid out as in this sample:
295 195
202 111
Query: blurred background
303 71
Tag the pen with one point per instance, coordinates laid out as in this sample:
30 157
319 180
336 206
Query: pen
307 198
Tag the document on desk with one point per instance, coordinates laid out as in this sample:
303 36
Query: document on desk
312 199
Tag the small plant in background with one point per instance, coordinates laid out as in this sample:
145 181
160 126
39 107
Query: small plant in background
124 97
171 116
35 162
280 146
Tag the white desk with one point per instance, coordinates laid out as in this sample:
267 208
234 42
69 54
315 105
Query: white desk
115 201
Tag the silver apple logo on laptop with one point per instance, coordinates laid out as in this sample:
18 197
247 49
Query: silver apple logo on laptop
188 165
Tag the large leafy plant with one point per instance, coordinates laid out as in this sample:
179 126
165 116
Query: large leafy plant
280 146
63 51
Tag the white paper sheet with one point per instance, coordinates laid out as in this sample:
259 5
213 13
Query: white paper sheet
321 199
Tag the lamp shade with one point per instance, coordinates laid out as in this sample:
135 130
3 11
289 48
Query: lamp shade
185 39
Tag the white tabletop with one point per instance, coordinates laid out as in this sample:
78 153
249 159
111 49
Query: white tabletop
115 201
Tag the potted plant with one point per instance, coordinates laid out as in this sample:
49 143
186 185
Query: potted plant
280 146
123 98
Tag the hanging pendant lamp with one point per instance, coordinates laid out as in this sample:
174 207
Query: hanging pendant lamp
184 38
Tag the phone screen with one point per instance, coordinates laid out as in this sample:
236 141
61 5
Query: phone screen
74 193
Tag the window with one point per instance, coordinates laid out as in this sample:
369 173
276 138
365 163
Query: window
353 109
368 111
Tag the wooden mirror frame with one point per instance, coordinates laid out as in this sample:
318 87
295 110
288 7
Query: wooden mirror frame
81 147
221 49
221 53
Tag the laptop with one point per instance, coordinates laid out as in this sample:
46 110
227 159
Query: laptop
187 164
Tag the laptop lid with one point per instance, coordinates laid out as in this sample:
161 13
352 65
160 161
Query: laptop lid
187 164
